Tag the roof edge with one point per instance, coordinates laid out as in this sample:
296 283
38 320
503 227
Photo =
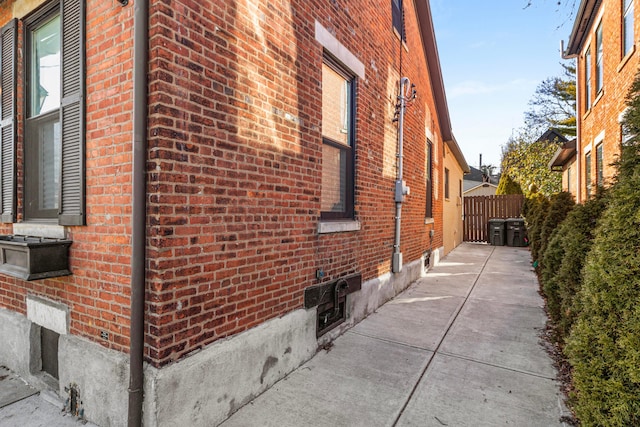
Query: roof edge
581 25
430 46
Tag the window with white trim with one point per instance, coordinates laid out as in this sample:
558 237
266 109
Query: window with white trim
599 62
599 166
587 79
627 27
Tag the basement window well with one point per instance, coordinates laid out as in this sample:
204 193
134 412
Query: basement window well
49 351
52 321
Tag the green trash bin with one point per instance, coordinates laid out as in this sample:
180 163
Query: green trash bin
516 232
496 232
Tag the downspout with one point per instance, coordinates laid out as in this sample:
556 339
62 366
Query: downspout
575 56
407 94
139 210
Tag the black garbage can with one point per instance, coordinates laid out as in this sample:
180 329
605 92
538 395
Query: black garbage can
496 232
516 232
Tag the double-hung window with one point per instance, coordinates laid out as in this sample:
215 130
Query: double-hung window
627 26
446 183
587 173
599 166
53 94
337 142
429 176
587 79
599 55
397 18
42 124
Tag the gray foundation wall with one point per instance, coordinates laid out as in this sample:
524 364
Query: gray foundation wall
20 349
206 387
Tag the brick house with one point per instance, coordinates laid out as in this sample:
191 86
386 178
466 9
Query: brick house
603 42
213 188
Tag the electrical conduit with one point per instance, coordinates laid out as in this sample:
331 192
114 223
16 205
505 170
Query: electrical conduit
407 94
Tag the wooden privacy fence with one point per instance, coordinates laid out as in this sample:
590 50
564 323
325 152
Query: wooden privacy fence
478 210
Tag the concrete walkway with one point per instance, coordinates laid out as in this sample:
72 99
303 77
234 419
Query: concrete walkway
460 347
24 406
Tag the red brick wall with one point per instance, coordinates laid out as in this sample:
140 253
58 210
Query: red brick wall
234 167
98 291
235 161
618 75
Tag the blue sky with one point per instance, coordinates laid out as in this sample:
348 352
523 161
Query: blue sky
493 55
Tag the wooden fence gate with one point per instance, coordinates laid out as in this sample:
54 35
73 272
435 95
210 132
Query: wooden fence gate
478 210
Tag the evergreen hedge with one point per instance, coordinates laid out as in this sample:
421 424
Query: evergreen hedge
577 241
563 262
552 261
535 212
604 344
560 205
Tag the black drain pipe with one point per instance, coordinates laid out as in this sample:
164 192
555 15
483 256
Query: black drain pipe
139 211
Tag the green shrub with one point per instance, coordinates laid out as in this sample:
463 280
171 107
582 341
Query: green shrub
551 263
535 211
577 237
604 345
561 205
561 274
507 185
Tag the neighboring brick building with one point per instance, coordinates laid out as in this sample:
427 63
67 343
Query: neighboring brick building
603 41
266 137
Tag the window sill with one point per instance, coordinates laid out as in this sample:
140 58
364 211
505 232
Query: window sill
624 60
342 226
598 97
32 258
404 42
40 229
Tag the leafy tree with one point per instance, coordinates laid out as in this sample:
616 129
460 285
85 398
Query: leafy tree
488 171
508 186
526 160
554 103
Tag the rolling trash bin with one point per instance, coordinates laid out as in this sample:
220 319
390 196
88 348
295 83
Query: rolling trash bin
496 234
516 232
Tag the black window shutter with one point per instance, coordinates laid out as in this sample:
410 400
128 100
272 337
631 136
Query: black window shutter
8 39
72 109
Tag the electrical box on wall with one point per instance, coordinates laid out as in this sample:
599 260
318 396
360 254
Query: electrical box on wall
401 191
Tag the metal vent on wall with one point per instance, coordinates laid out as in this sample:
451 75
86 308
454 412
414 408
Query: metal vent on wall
331 298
